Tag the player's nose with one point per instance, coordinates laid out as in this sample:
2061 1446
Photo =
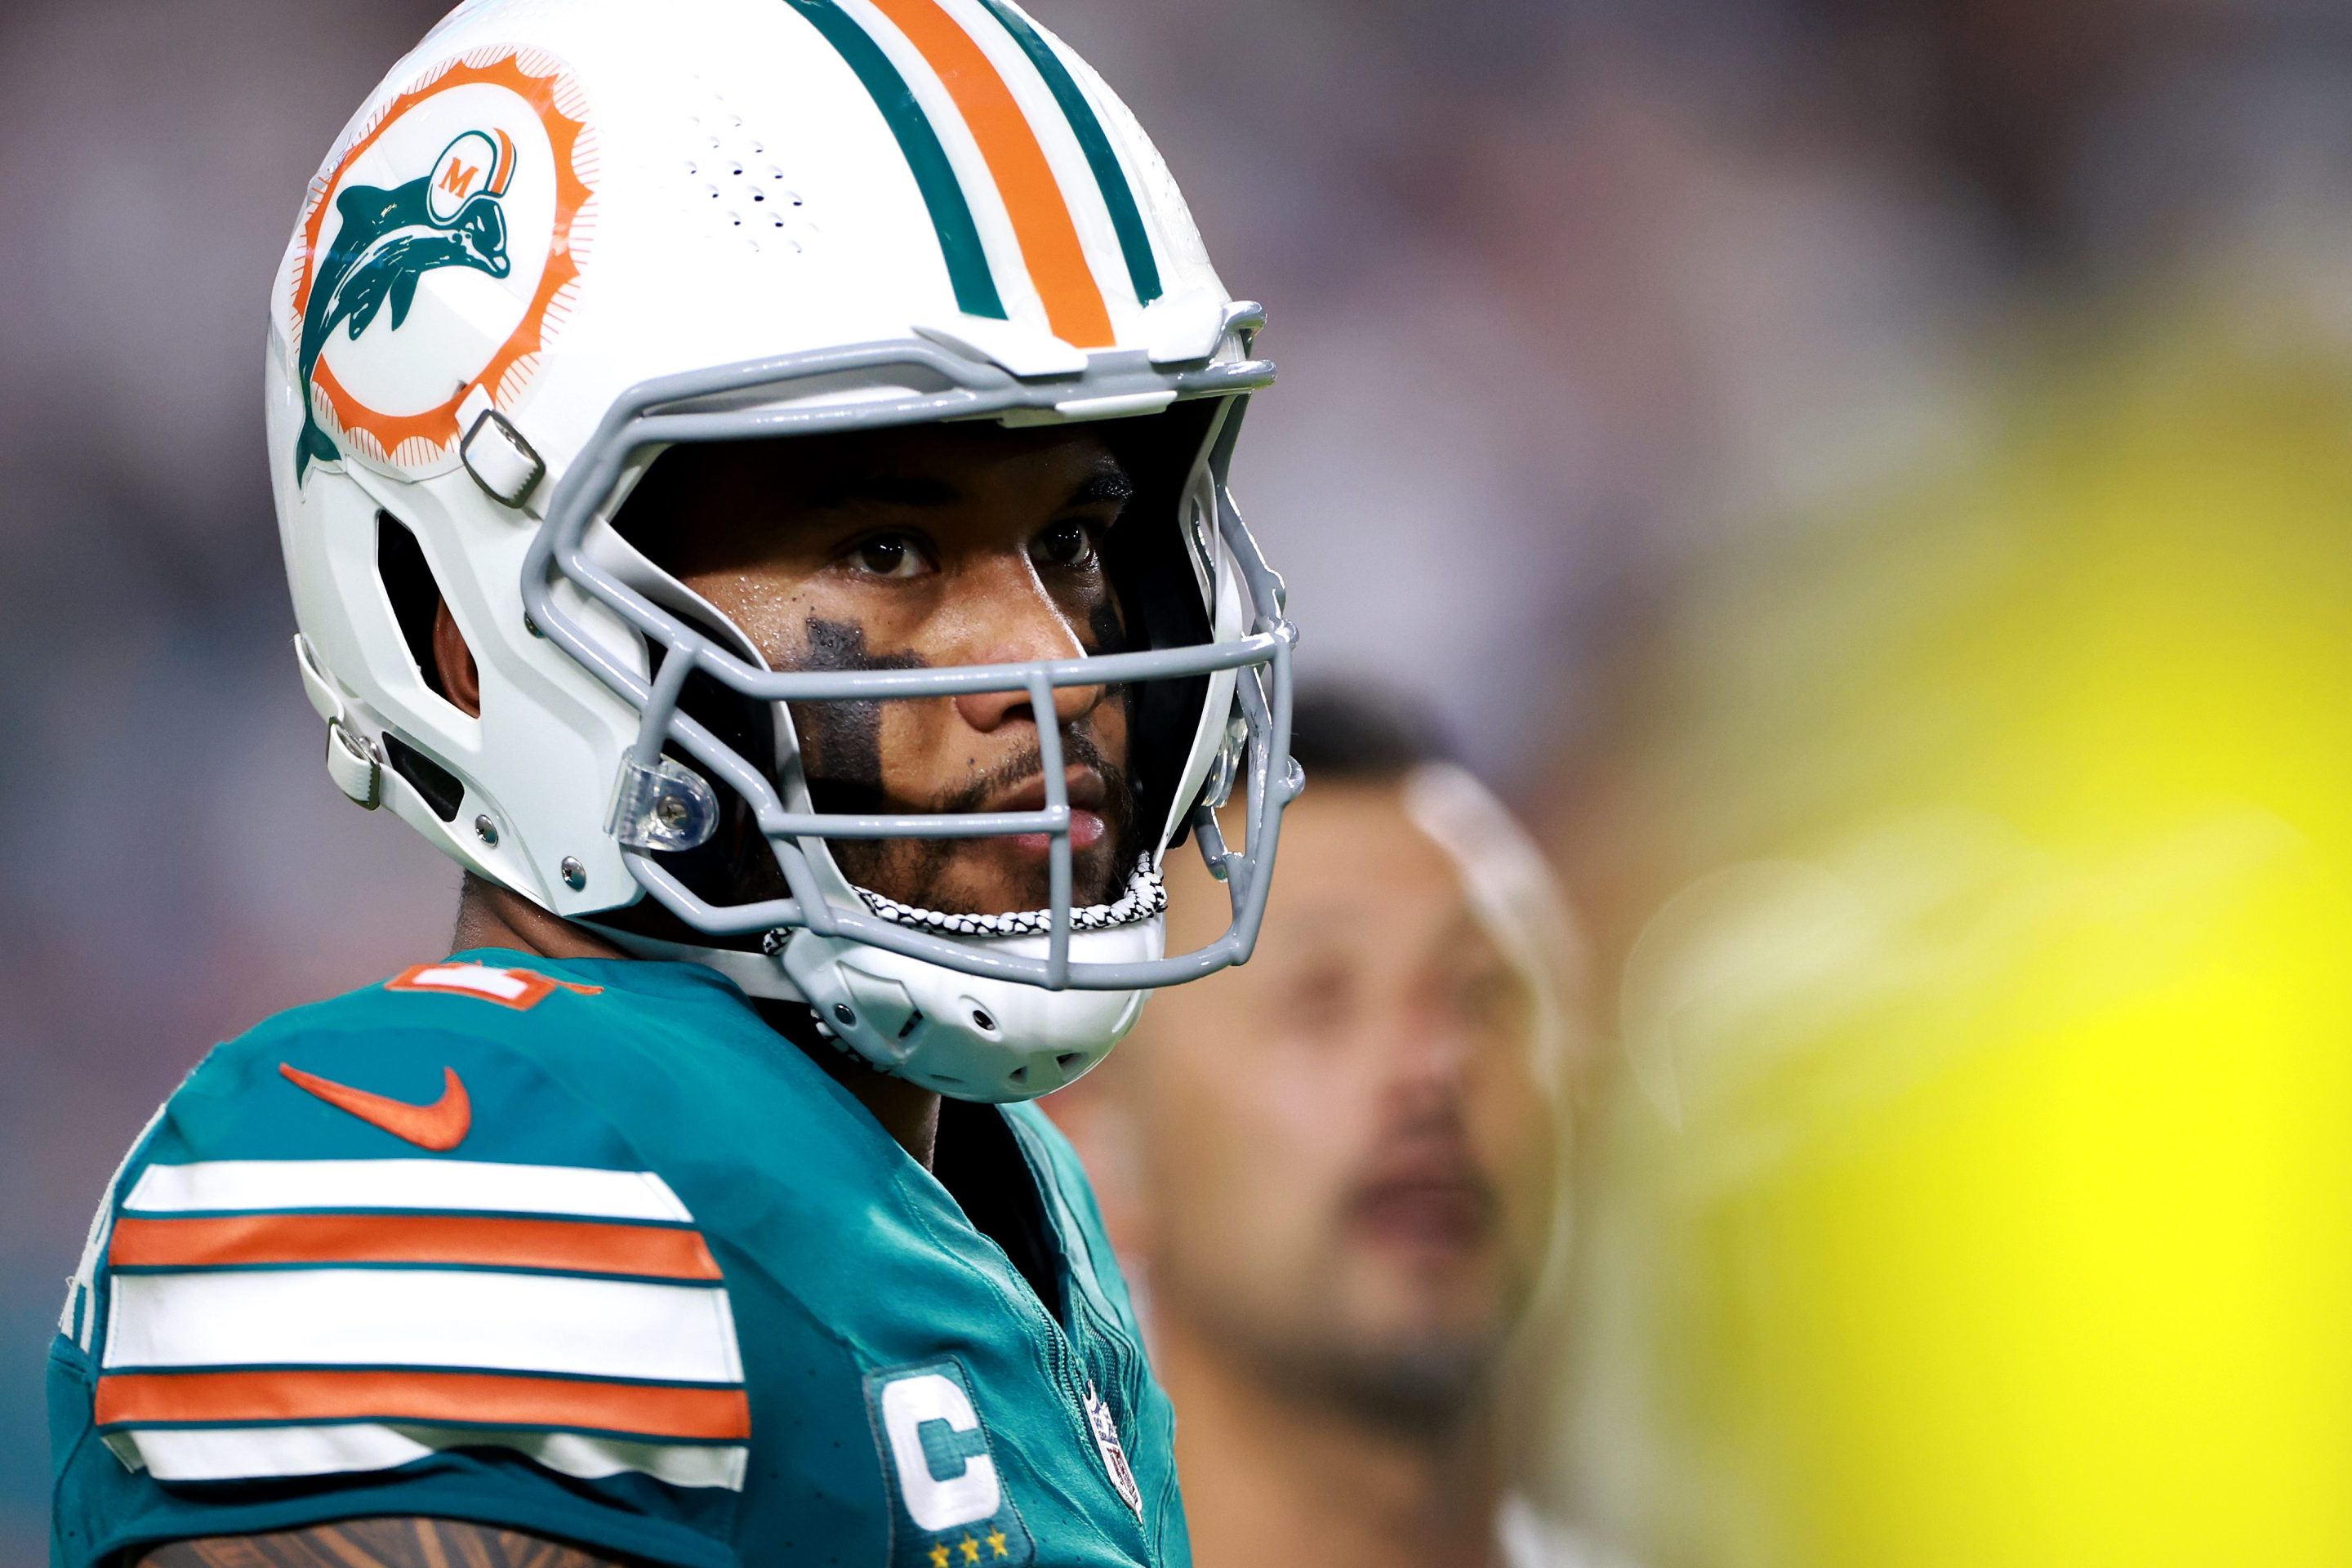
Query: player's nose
1426 1060
1015 621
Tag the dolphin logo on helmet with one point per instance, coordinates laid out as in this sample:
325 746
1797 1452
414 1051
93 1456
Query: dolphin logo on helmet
389 240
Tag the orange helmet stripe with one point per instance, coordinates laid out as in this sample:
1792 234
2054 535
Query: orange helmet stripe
1042 223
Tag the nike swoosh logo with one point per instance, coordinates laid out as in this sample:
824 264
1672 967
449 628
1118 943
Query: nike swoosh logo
440 1126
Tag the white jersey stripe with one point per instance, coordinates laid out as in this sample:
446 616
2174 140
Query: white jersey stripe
423 1317
232 1186
219 1454
79 1321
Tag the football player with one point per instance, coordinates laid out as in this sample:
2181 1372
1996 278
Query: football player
751 474
1333 1173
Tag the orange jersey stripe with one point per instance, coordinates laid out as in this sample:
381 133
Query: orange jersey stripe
497 1399
582 1247
1033 198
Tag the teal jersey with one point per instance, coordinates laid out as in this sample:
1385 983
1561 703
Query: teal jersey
586 1249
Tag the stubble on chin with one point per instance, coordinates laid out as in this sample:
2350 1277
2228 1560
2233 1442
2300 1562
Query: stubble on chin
1332 1338
1427 1387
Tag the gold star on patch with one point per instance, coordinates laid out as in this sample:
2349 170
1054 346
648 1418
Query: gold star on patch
939 1555
970 1550
996 1542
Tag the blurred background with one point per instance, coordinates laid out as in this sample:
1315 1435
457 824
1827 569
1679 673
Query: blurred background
1871 480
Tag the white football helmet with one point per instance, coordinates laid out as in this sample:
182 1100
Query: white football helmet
561 238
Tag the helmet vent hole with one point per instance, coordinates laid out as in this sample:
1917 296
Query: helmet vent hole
439 788
1019 1075
914 1022
720 149
411 593
846 1013
983 1022
415 598
1068 1060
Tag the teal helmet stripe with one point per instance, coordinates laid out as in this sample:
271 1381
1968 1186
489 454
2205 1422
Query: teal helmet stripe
975 285
1142 268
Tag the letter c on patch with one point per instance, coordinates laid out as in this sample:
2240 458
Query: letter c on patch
944 1472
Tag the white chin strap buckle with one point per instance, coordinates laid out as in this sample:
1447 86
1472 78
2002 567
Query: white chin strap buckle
353 764
352 760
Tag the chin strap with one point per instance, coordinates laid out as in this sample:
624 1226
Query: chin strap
1146 896
759 975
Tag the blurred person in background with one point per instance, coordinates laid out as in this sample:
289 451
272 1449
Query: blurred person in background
1335 1174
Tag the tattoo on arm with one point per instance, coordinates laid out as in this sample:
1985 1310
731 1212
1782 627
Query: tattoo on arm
378 1543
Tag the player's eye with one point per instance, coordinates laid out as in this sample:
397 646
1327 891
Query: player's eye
1320 998
888 555
1069 542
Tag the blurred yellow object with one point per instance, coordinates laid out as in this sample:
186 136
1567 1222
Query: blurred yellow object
2010 1217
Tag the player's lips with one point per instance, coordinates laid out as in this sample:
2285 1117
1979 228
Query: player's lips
1086 823
1432 1206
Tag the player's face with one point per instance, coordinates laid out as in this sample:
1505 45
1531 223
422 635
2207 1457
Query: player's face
906 549
1346 1150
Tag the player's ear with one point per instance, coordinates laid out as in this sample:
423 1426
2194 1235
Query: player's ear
454 661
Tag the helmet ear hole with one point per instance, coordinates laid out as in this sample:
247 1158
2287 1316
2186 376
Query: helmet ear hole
414 597
441 789
411 592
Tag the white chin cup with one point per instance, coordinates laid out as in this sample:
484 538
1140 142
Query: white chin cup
966 1035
